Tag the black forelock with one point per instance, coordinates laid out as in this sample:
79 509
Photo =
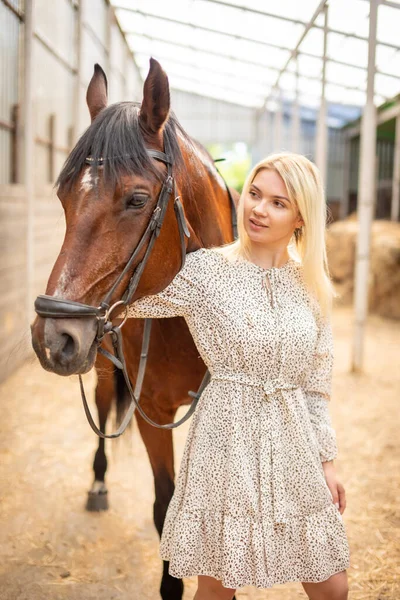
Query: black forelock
115 140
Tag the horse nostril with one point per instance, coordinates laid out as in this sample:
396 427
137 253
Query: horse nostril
69 348
67 345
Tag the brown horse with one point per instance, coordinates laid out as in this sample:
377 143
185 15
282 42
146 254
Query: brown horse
107 209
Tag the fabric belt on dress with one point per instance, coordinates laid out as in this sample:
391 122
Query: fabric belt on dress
270 386
278 473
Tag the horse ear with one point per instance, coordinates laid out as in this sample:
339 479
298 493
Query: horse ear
155 105
96 95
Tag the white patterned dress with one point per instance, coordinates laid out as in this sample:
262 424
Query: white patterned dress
251 505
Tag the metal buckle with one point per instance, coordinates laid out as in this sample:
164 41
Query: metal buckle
169 184
110 310
155 218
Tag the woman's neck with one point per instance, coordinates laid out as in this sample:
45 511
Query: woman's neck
267 258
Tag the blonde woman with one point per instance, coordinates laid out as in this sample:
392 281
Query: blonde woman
257 501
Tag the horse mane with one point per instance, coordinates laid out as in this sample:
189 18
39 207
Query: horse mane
115 140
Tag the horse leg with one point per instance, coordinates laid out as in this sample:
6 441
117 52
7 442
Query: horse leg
105 391
159 448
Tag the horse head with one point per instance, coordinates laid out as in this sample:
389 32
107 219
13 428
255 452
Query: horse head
110 187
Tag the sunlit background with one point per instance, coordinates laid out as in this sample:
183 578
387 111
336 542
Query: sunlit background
245 52
247 77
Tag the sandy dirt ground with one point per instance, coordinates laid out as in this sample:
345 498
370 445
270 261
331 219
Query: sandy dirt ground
52 549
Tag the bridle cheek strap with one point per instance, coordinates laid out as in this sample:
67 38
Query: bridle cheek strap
49 306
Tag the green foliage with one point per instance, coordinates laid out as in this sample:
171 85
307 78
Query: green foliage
237 164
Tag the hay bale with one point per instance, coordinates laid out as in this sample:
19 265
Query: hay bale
385 268
384 284
341 244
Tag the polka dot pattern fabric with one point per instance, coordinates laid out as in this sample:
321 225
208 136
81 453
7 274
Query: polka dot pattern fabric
251 505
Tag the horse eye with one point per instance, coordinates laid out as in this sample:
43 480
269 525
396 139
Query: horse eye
137 200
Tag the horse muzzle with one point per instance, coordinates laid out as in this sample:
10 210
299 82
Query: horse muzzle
65 346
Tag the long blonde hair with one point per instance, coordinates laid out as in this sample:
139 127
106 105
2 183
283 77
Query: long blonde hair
307 246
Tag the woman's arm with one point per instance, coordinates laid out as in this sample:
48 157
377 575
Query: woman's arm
317 391
178 299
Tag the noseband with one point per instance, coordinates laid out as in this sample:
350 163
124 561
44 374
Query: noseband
48 306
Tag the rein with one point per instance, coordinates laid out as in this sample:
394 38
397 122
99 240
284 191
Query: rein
49 306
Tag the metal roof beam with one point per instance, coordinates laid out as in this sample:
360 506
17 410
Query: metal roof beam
303 35
251 79
391 4
18 13
201 50
188 63
254 107
243 60
201 81
202 28
304 23
238 37
317 12
257 12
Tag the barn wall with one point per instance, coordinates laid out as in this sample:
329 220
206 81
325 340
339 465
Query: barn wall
212 121
68 39
13 252
9 89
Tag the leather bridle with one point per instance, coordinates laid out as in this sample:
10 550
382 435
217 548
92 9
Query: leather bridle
53 307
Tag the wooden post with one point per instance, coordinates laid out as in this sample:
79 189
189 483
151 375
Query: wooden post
255 142
52 147
344 205
395 212
296 122
321 146
278 124
14 144
78 95
365 202
70 138
29 150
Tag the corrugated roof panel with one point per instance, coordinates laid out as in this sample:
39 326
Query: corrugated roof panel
388 25
346 76
349 16
214 91
388 60
229 47
348 49
307 65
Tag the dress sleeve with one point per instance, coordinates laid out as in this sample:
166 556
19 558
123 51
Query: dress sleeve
179 298
318 391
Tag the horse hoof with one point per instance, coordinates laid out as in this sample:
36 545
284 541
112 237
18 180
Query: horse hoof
97 497
171 588
97 502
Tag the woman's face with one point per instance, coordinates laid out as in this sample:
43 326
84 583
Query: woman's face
270 218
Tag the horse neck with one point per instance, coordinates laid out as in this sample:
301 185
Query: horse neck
205 198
